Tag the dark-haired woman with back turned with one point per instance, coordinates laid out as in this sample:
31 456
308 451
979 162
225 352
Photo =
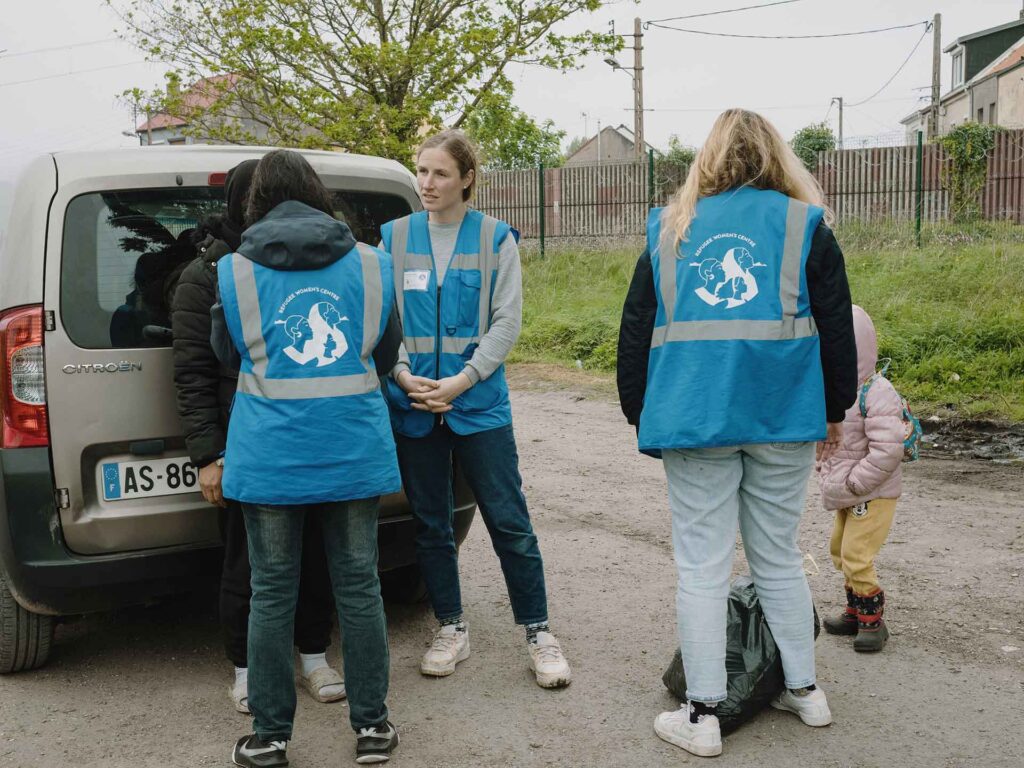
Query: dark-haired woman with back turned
308 437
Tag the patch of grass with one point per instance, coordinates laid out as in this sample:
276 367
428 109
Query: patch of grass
951 315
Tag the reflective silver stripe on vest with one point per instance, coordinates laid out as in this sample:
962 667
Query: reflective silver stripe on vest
418 261
456 345
423 345
488 263
373 298
248 302
789 279
748 330
667 256
399 242
789 327
308 389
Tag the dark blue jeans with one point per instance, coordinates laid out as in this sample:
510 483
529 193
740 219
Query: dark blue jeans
275 554
490 464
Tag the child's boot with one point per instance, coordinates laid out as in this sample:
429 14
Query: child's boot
871 630
846 622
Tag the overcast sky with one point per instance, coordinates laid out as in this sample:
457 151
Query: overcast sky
54 96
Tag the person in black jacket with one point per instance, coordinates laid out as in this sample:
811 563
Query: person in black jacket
205 389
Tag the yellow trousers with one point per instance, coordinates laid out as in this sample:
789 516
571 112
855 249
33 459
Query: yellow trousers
857 536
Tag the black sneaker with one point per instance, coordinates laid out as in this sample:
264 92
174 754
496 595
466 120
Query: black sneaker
374 745
253 752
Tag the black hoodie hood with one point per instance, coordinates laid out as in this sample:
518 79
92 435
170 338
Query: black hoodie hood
295 237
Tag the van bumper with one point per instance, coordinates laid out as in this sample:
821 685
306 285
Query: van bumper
45 577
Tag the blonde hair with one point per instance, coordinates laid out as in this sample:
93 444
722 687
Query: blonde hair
742 150
461 149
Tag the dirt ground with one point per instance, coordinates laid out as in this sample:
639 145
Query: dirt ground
147 686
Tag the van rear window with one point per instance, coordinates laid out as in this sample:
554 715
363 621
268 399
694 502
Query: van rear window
124 251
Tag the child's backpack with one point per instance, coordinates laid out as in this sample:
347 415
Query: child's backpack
911 426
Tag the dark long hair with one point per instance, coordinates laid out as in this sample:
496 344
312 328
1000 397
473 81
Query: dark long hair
284 175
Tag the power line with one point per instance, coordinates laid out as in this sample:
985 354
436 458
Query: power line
59 48
913 50
74 72
766 108
718 13
787 37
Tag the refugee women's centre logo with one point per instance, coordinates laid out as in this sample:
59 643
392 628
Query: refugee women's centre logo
314 334
729 281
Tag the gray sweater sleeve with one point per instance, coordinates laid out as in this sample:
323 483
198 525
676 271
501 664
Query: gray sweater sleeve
506 315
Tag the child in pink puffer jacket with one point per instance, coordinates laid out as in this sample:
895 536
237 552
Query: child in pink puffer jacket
862 481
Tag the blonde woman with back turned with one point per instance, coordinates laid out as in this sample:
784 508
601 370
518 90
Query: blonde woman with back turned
737 356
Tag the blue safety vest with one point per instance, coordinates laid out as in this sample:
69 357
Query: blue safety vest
443 326
735 355
308 423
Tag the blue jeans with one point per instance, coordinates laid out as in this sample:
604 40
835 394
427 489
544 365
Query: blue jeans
490 464
275 554
763 489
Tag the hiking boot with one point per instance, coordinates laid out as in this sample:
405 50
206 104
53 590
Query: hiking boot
846 622
252 752
449 646
548 662
697 734
871 630
375 745
809 706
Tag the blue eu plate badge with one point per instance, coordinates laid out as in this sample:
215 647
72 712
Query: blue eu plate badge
111 481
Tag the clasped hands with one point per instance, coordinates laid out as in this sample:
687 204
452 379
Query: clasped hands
430 395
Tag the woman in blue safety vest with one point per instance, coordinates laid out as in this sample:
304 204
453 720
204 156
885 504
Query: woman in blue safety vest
736 356
306 315
458 288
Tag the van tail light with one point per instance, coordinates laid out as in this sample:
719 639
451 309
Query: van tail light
23 385
217 179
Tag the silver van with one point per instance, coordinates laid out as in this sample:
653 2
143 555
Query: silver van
99 505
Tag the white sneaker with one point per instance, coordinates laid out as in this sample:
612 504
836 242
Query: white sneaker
548 662
703 738
448 648
812 708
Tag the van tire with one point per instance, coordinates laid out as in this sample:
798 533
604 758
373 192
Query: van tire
25 637
403 585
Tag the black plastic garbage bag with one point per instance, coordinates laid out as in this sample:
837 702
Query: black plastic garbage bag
752 662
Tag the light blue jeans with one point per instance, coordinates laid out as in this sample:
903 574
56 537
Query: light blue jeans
762 488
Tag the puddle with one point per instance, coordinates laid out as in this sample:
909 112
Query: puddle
1002 443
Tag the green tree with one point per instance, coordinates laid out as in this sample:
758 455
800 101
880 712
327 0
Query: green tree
810 140
574 145
362 75
670 168
509 138
678 153
967 146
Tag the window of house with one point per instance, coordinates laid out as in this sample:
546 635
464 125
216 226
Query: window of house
958 68
992 113
981 114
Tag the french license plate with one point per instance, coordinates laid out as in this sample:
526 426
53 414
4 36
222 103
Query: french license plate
154 477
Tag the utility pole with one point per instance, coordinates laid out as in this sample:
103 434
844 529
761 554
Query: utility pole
839 99
933 114
640 146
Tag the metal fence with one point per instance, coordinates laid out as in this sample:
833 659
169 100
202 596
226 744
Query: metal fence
887 193
581 201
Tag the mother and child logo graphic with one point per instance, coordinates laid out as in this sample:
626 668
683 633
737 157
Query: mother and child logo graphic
316 336
730 280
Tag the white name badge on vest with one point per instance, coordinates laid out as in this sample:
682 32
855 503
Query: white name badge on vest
417 279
